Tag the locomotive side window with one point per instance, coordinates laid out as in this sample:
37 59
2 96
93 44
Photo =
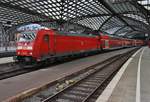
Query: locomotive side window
46 38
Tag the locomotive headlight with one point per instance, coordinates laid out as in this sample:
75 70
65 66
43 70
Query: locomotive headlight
29 47
30 53
19 47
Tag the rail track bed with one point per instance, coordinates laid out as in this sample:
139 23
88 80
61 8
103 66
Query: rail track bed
11 69
83 86
7 54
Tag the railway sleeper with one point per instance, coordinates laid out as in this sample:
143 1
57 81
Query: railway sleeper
81 89
88 85
96 79
63 100
84 88
93 81
91 100
72 97
77 93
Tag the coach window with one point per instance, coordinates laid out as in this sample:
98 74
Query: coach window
46 38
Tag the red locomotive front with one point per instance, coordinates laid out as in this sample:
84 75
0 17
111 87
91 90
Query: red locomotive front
25 43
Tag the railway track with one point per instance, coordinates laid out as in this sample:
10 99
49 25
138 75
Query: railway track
87 85
84 89
12 69
14 72
7 54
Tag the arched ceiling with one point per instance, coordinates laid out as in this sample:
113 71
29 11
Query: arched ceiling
102 15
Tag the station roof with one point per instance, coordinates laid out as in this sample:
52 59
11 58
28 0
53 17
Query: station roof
120 17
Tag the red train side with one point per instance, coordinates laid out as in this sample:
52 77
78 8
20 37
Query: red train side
34 46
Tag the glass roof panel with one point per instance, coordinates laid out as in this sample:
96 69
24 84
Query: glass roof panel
94 22
145 3
136 17
89 13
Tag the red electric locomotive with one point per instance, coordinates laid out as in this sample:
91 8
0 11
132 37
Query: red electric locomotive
34 46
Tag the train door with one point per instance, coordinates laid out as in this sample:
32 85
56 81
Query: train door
46 48
47 42
106 43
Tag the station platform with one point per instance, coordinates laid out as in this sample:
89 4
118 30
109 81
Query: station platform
5 60
131 84
7 56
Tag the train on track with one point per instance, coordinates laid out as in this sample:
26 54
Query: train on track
46 44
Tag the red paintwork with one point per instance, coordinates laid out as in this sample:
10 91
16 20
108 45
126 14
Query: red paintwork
115 42
24 51
139 42
67 44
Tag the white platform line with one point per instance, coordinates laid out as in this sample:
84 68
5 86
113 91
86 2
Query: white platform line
138 92
111 86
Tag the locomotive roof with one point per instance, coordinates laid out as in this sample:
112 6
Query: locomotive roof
73 33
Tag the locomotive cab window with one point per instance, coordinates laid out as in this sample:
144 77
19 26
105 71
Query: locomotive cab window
26 36
46 38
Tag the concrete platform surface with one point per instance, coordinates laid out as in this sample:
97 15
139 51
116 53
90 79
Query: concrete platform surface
6 60
134 82
15 85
